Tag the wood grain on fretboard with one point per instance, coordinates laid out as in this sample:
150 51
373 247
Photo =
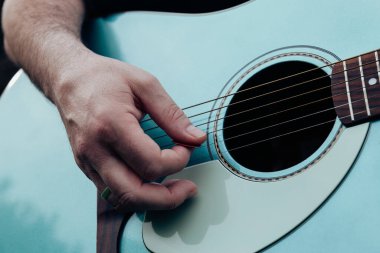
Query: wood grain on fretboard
355 88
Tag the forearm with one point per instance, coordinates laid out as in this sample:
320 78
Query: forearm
43 37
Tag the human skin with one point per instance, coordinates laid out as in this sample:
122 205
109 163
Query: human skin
101 101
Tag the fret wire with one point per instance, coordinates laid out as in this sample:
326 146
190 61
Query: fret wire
363 85
378 66
348 91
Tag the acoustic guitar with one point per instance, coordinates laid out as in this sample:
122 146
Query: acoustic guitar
288 93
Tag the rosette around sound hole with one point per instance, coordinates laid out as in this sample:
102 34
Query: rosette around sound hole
279 116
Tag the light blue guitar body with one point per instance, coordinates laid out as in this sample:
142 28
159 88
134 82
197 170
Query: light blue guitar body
330 202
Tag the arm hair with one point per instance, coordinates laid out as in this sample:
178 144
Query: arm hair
43 36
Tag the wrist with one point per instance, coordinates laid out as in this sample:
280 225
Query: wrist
67 71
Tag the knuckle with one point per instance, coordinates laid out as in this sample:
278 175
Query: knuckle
82 163
91 174
146 82
173 112
101 130
150 80
127 201
81 151
151 171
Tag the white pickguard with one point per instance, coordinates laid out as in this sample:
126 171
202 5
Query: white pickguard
231 214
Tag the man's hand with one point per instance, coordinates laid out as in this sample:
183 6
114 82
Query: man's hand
101 106
101 102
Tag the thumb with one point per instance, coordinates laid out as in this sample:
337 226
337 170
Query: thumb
164 111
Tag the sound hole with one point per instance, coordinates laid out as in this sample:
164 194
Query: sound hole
282 131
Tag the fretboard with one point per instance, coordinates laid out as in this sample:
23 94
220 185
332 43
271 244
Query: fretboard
356 88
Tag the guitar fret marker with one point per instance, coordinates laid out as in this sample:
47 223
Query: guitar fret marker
372 81
363 85
348 90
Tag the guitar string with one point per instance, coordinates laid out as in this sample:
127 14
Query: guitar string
271 82
205 155
265 116
248 99
274 125
268 104
295 131
265 94
291 120
283 78
277 136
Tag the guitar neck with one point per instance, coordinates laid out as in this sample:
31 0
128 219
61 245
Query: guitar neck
356 88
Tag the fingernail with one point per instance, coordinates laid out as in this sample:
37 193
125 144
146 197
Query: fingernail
196 132
193 193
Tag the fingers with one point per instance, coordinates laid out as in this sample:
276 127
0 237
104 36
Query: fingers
130 193
143 155
124 157
167 114
139 151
